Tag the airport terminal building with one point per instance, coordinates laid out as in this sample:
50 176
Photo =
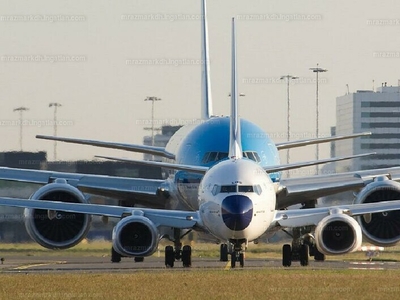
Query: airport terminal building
377 112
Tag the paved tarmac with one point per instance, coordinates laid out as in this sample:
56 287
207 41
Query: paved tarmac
68 264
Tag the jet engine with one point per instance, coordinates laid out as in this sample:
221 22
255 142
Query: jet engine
381 229
135 236
338 234
57 229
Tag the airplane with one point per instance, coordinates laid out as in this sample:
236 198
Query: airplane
237 203
192 153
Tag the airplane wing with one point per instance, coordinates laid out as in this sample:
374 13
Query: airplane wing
160 151
300 143
189 219
298 190
160 217
278 168
135 190
312 216
190 168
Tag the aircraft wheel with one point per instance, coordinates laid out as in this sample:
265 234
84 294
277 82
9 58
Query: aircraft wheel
169 256
241 259
304 254
223 254
287 255
187 256
233 259
115 256
318 256
139 258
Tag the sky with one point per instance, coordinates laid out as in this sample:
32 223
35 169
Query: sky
101 59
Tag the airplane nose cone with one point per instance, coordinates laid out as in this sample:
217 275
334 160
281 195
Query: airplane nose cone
237 212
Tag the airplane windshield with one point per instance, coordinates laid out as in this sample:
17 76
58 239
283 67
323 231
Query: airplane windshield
236 188
213 157
246 188
253 155
228 188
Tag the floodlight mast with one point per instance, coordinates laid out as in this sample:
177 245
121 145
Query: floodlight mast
55 105
20 110
152 99
317 70
288 78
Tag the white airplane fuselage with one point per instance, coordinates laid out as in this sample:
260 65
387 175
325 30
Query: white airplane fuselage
237 200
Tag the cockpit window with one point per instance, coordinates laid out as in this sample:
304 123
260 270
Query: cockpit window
213 157
228 188
215 189
258 189
253 155
236 188
246 189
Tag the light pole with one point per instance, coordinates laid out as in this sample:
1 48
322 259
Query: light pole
152 99
317 70
55 105
288 78
20 110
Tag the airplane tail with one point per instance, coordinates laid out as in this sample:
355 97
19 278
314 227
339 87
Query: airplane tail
206 99
235 145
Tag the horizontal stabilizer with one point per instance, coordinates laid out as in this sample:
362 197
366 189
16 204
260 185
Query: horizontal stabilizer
160 151
301 143
278 168
193 169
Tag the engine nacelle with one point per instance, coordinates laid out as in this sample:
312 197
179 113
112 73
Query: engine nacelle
135 236
381 229
338 234
56 229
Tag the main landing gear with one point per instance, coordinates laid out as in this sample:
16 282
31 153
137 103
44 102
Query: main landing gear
116 257
177 252
303 246
237 253
185 255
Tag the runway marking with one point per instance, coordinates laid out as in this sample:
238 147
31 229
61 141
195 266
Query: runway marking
24 267
366 263
366 268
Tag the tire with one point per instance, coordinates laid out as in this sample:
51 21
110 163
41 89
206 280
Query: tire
233 259
318 256
241 259
287 255
304 254
115 256
139 259
187 256
169 257
223 252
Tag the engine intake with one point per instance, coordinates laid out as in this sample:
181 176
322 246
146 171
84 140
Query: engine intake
57 229
381 229
338 234
135 236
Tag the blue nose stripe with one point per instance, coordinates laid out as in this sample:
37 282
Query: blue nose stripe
237 212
